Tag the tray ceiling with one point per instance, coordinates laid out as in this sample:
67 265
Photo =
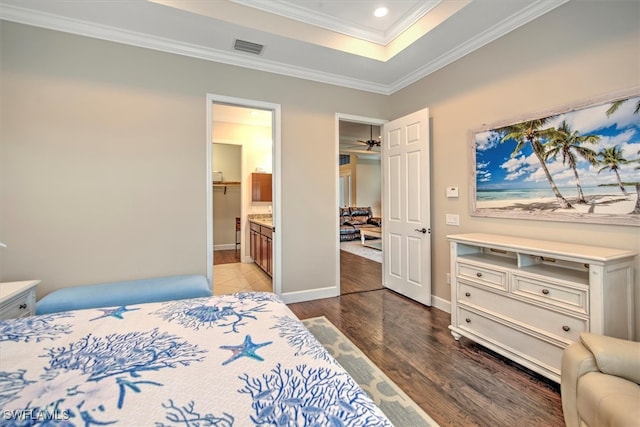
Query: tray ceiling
336 42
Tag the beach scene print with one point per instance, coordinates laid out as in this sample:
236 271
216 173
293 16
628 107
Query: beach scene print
582 164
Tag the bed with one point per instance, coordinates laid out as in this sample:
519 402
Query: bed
241 359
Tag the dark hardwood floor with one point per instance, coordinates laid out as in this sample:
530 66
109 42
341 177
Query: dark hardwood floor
358 274
456 383
226 257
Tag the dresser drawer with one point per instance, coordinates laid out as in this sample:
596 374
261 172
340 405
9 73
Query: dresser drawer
543 320
21 305
552 294
483 275
523 346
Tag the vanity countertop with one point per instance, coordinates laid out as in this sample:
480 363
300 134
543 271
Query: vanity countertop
264 220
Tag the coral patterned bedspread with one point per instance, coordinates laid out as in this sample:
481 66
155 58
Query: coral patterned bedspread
231 360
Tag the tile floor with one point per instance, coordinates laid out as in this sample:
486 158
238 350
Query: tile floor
238 277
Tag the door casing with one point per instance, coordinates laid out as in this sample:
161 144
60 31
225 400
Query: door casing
277 186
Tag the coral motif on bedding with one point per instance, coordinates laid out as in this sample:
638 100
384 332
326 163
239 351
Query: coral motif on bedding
97 358
306 396
35 328
305 344
116 354
11 383
254 297
188 416
200 312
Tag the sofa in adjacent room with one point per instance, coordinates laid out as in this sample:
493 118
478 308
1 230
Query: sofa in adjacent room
352 219
599 382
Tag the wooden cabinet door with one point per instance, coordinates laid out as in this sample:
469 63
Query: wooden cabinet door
261 187
264 253
253 245
269 257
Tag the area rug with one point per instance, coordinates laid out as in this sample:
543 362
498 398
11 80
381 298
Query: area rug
396 405
355 247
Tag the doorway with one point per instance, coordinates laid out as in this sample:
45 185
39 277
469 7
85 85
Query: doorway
226 162
359 191
243 136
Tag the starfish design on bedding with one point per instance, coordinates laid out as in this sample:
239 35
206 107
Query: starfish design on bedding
247 349
114 312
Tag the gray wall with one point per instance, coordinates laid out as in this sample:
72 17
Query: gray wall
104 156
579 51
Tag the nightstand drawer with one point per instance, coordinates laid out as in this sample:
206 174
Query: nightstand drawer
22 305
17 299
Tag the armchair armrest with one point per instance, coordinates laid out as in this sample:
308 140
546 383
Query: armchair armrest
577 360
614 356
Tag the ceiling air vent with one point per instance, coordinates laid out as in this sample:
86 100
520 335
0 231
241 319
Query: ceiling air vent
248 47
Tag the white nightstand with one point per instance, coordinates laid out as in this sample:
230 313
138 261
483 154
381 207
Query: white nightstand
18 299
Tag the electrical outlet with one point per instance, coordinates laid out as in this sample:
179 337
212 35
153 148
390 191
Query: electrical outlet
452 219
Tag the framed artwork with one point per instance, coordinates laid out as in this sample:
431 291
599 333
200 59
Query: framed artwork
579 164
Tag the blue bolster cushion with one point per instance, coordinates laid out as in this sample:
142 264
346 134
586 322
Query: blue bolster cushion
124 293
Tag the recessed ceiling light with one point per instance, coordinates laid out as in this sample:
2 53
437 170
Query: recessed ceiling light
380 12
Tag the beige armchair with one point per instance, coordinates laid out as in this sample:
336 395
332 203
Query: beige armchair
599 382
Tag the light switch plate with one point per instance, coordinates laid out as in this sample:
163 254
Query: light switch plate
452 219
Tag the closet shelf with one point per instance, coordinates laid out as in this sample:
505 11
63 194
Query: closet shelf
226 184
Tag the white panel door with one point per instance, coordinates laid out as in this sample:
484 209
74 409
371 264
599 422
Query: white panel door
406 236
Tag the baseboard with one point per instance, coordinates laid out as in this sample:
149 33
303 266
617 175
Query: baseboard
227 247
441 304
302 296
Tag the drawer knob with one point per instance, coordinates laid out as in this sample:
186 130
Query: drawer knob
467 320
467 294
22 306
566 328
545 291
479 274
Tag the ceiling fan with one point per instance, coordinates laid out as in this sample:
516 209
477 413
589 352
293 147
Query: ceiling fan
371 142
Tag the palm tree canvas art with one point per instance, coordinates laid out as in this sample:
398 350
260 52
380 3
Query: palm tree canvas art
578 165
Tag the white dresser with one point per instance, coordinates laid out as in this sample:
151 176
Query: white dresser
18 299
528 299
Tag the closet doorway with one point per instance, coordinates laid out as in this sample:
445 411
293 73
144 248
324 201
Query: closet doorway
243 139
227 202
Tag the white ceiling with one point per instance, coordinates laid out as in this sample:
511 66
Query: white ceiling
331 41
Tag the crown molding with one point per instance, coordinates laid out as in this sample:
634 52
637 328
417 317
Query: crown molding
533 11
132 38
117 35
